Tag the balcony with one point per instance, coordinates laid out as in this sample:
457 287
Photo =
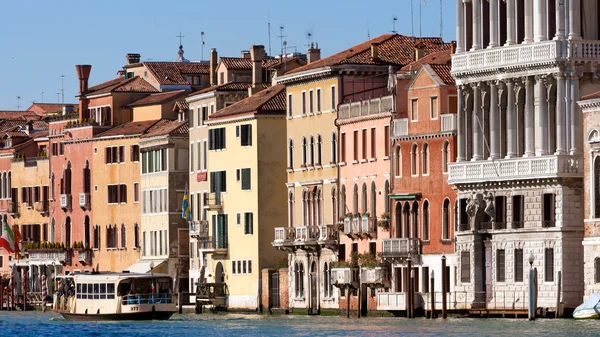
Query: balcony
400 128
65 202
401 248
448 122
517 56
551 166
306 236
13 208
344 277
199 229
376 276
84 200
215 201
85 256
366 108
50 255
397 301
42 207
205 244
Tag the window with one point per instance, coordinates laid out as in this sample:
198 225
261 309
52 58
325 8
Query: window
319 150
446 156
433 108
518 211
548 209
364 144
136 236
96 236
218 182
248 223
386 197
246 185
518 265
62 148
216 139
596 187
355 145
246 133
333 98
115 154
425 154
123 236
54 149
597 270
425 277
192 157
318 99
465 267
312 150
446 220
500 265
205 156
398 160
304 102
414 109
135 153
386 140
191 118
549 265
425 220
311 107
199 146
333 148
326 280
304 151
373 143
204 114
290 153
413 160
343 148
290 105
136 192
117 194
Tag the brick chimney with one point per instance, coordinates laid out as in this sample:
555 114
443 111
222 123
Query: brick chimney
83 73
419 51
133 58
257 54
452 47
375 51
213 66
314 53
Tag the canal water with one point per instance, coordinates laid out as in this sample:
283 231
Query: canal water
50 324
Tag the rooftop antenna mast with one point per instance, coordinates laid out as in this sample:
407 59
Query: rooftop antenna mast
412 20
269 29
441 20
42 97
18 103
394 19
281 36
62 87
202 45
308 38
58 97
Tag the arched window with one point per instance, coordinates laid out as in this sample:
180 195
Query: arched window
446 220
319 208
364 198
398 220
136 235
319 150
414 228
123 236
66 180
291 209
9 186
87 178
373 200
305 213
386 197
406 220
108 236
97 237
446 156
2 184
333 148
326 280
52 191
398 161
425 221
425 159
296 280
290 153
597 270
334 206
413 160
343 201
312 150
301 275
596 186
355 200
115 236
304 151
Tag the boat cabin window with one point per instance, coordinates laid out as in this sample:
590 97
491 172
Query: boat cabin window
95 291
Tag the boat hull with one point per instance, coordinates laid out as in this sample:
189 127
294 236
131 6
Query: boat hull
586 314
134 316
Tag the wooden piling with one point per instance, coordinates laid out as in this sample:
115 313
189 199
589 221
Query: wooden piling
347 302
432 296
408 289
558 289
444 290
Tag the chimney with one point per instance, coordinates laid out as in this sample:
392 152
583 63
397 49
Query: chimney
133 58
245 54
314 53
375 51
213 66
83 73
257 54
419 51
452 47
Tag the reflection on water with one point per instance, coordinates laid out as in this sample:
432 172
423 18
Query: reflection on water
44 324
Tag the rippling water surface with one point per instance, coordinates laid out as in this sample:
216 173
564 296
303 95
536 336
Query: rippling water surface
50 324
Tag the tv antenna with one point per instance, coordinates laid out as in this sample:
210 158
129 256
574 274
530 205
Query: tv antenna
269 29
202 46
308 38
62 87
18 103
441 20
394 19
281 36
42 97
58 97
421 18
412 20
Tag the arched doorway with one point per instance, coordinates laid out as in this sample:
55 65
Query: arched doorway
219 275
314 290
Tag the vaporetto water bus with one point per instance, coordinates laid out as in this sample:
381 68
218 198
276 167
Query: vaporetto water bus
115 296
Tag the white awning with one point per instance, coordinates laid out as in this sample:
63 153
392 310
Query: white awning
145 266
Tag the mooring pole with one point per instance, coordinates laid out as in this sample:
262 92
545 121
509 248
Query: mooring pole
557 315
531 311
444 290
348 302
432 296
412 294
408 288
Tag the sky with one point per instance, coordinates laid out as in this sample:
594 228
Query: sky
40 41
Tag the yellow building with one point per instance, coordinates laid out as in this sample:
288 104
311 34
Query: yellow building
246 165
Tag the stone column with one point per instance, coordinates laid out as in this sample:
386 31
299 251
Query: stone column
529 117
460 24
574 20
476 10
560 20
476 122
561 117
511 119
540 20
511 37
493 24
528 22
541 117
576 125
494 121
460 120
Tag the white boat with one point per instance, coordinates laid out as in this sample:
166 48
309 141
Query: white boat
590 309
115 296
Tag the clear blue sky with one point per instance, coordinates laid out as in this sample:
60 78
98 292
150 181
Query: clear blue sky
42 40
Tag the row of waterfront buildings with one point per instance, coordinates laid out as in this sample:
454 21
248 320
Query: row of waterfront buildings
327 183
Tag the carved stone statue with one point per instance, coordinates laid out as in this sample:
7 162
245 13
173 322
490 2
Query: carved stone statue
489 205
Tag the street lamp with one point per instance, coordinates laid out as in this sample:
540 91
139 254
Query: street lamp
532 288
530 259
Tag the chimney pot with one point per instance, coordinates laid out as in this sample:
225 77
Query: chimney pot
314 53
133 58
257 54
375 51
213 66
83 73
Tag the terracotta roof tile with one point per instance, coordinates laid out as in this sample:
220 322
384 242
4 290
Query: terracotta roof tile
168 127
271 101
181 105
43 108
231 86
444 72
18 115
170 73
441 57
121 84
16 134
239 63
394 49
593 95
159 98
129 129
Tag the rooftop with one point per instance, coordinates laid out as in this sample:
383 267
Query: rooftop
166 127
270 101
129 129
173 73
122 84
159 98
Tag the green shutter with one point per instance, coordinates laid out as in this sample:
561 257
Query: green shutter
225 240
214 230
221 231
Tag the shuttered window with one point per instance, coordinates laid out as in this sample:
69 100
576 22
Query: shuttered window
248 223
518 265
216 139
246 185
246 135
500 265
549 265
465 267
217 182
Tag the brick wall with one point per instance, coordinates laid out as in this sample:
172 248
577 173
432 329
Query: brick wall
265 297
284 297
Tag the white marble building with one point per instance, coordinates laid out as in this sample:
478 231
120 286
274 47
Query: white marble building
520 67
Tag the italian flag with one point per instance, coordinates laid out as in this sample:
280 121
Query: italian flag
7 240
